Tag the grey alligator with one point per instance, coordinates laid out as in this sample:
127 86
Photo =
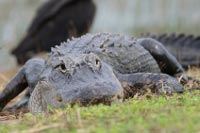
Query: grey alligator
58 20
186 48
95 68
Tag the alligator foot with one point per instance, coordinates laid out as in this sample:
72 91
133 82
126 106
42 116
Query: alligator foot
192 84
23 103
140 82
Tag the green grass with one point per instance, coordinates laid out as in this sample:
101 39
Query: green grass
178 113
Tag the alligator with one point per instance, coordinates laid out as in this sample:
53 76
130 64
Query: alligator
55 19
184 47
95 68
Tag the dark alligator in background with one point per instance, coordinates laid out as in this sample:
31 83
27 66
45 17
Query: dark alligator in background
95 68
54 22
186 48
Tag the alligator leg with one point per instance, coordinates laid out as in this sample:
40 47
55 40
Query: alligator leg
26 77
22 103
166 61
13 88
156 82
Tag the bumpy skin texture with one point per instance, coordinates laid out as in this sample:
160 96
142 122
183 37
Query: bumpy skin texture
95 68
55 21
184 47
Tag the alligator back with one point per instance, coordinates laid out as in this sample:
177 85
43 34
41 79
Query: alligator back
123 53
186 48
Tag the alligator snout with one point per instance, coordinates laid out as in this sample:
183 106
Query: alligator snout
45 94
94 93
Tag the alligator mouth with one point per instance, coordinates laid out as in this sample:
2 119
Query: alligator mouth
95 93
45 94
106 100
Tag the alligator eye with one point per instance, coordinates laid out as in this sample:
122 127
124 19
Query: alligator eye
93 61
62 68
97 62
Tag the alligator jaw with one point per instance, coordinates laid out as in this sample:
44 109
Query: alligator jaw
44 95
36 102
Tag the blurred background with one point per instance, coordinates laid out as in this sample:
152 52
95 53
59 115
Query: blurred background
130 17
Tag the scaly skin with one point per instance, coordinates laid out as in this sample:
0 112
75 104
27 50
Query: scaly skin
96 68
123 53
184 47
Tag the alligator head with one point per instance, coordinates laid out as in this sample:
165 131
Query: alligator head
73 78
